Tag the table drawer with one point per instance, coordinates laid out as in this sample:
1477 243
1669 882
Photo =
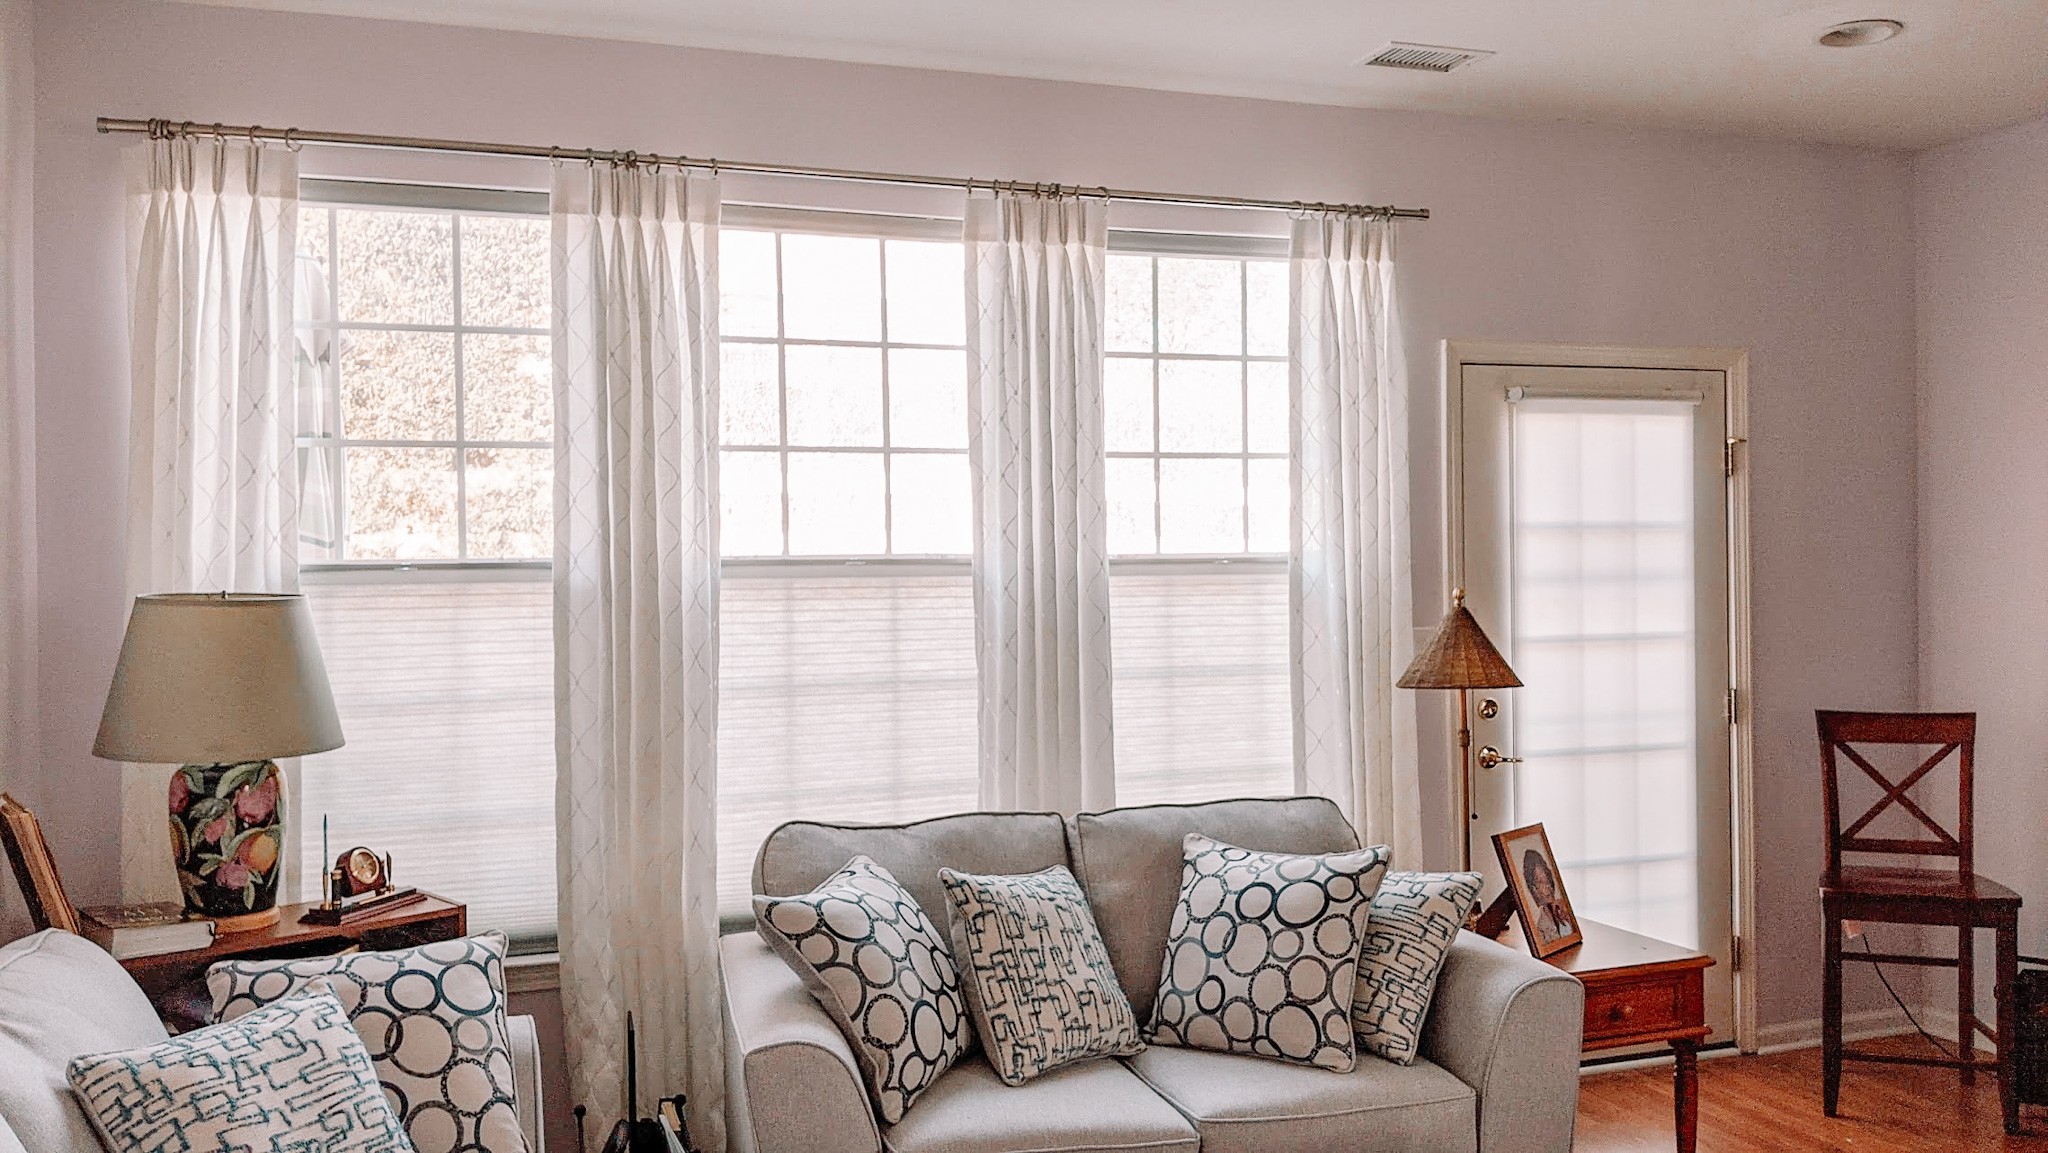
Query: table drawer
1644 1005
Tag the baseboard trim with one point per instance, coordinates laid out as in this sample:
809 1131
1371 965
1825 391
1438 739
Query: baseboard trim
1786 1036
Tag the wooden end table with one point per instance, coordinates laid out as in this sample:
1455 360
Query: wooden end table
1641 991
176 982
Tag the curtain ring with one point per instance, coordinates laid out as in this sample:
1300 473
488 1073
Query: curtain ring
219 135
554 156
185 129
253 142
291 140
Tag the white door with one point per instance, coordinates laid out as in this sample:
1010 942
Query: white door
1591 538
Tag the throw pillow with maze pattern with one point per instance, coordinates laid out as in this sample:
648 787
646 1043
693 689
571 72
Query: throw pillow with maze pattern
1414 918
433 1020
1262 954
1037 976
291 1076
872 960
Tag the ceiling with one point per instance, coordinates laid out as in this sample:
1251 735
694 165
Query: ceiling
1748 67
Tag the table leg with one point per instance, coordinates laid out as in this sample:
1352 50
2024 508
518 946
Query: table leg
2007 995
1685 1094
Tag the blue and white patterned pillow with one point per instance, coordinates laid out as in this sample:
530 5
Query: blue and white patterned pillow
872 960
1262 955
433 1019
1414 918
293 1076
1037 976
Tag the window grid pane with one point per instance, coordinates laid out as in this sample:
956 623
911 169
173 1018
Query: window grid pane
390 367
1170 322
848 391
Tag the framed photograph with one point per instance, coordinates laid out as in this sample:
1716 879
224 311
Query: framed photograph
1538 887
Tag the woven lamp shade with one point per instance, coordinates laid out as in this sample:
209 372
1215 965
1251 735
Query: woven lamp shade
1459 656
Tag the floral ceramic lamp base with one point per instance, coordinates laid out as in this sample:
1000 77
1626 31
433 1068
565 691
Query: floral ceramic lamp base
227 833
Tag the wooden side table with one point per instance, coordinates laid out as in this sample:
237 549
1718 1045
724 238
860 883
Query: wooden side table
176 982
1641 991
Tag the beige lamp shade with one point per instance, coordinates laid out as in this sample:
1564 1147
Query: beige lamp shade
1459 656
218 678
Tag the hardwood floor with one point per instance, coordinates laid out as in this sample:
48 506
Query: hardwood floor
1773 1103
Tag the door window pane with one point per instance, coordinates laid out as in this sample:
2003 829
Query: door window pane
927 292
927 398
1603 640
831 287
835 395
835 504
395 267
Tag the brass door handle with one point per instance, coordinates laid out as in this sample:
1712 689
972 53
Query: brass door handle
1489 757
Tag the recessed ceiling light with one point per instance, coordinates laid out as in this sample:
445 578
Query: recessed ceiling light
1861 33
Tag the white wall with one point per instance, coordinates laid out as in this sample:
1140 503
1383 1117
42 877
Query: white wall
1550 232
1981 241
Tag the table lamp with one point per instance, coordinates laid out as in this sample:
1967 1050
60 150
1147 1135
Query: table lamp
221 683
1460 657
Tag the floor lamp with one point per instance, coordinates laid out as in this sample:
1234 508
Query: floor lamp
1460 657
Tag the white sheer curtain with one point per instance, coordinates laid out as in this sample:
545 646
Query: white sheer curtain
1035 296
212 486
635 265
18 729
1350 600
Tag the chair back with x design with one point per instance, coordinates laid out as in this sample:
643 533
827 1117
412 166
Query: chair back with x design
1949 734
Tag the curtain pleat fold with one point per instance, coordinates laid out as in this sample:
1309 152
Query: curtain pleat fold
635 270
212 488
1350 600
1035 299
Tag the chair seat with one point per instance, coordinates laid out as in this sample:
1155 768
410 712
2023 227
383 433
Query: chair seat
1944 885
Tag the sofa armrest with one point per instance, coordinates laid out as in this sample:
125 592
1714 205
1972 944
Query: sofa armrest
791 1081
1508 1025
526 1085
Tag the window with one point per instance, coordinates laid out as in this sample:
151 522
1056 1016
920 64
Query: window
846 670
1196 430
426 505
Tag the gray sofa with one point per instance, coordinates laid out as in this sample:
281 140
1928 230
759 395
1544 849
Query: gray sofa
62 996
1499 1072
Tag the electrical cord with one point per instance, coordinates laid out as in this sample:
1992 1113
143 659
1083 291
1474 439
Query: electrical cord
1930 1038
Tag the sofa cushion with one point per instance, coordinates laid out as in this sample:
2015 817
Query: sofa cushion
61 996
798 855
433 1019
881 970
1129 860
1037 977
1262 956
289 1076
1095 1105
1414 919
1243 1106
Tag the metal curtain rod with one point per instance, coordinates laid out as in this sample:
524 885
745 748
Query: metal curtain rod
294 137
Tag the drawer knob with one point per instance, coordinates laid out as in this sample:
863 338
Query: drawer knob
1621 1012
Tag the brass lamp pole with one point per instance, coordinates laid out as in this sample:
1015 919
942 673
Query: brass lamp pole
1460 657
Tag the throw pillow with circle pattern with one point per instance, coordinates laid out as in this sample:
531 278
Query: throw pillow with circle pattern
1414 918
1037 976
1262 954
885 976
433 1020
291 1076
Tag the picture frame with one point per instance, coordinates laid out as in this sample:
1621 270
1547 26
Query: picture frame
1541 904
35 869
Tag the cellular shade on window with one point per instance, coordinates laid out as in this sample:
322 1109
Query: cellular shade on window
445 688
1195 423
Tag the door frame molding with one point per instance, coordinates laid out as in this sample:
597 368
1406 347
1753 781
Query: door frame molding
1733 364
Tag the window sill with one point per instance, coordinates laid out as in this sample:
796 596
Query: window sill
533 973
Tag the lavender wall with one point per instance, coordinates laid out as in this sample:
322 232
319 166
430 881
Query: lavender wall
18 741
1551 232
1981 220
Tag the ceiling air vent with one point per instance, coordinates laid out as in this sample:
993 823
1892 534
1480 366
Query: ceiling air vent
1424 57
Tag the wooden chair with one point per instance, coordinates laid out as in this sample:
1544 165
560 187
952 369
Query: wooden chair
35 869
1909 894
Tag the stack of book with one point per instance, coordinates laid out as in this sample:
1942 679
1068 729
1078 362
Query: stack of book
129 931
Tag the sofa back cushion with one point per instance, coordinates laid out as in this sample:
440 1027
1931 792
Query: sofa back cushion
800 855
1129 863
61 996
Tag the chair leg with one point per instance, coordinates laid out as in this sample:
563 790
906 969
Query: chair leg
1966 1001
1831 1017
2006 991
